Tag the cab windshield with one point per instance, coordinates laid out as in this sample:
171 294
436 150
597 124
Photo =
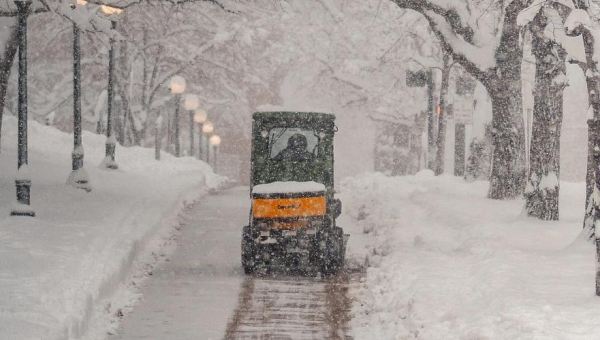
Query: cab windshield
293 144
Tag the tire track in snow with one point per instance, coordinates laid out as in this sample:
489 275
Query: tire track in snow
291 307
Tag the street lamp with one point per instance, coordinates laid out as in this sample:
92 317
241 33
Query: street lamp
192 102
215 140
23 178
111 141
177 89
78 177
207 129
200 117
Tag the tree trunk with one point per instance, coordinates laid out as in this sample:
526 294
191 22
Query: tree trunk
508 150
507 178
10 50
441 135
459 149
593 87
430 120
592 210
591 179
542 192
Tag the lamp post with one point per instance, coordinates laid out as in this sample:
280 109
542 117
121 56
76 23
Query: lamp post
111 140
192 102
215 140
177 89
78 177
207 129
200 117
23 179
158 137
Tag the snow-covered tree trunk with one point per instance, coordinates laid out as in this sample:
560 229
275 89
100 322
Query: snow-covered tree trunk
6 62
590 68
508 142
507 179
441 135
459 149
542 191
592 209
592 173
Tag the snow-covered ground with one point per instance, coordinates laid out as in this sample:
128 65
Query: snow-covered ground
60 271
444 262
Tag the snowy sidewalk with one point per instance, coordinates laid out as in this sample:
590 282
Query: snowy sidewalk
447 263
60 270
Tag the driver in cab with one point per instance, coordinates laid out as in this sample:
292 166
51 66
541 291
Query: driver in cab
296 150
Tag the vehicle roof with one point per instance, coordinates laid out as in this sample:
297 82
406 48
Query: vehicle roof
292 114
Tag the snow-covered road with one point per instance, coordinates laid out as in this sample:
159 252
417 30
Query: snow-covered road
202 293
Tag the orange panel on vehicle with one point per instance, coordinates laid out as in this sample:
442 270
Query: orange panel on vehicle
288 207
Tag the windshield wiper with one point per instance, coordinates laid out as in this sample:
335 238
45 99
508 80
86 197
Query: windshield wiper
274 138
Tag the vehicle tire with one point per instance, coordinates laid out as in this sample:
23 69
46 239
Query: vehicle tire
332 257
248 251
336 249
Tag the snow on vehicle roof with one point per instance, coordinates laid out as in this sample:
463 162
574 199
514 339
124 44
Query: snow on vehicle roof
275 108
287 187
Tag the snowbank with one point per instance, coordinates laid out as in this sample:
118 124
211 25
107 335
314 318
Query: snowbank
61 271
447 263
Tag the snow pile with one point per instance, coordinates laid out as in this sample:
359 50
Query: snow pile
61 272
447 263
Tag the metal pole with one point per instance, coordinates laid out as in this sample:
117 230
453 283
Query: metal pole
157 141
111 141
23 180
78 179
215 149
200 127
176 123
191 133
208 148
77 154
169 136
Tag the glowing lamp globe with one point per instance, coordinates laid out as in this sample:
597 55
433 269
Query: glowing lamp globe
192 102
215 140
208 127
177 85
200 116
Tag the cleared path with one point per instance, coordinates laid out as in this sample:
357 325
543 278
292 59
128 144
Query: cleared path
202 293
191 296
291 307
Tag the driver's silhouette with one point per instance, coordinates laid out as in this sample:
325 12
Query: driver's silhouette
296 150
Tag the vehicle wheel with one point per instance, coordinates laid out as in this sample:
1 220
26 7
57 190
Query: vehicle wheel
332 257
248 251
336 249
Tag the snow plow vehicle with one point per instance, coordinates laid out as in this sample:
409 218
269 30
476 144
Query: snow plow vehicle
294 211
